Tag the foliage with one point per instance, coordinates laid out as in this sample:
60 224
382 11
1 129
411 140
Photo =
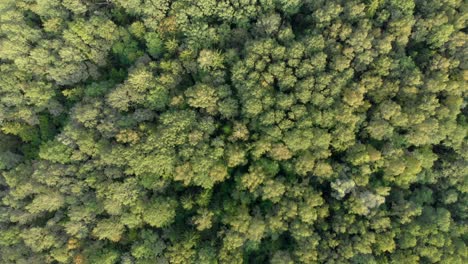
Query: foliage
270 131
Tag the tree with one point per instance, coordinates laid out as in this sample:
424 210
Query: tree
160 212
202 96
108 229
282 131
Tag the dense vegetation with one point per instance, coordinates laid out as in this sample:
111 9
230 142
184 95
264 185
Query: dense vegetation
233 131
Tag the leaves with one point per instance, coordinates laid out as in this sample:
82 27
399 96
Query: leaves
273 131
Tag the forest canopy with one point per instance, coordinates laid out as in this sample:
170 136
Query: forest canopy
233 131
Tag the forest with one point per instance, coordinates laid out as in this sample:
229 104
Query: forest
233 131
